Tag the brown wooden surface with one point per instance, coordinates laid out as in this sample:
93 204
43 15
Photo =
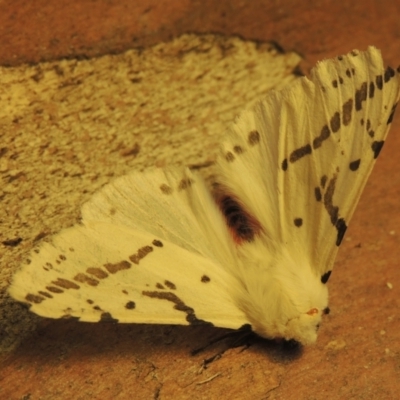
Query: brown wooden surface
358 352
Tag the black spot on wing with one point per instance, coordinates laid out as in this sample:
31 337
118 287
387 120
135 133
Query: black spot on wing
285 164
140 254
325 133
325 277
379 82
298 222
166 189
65 284
371 92
389 74
377 147
341 230
113 268
347 112
371 133
54 289
45 294
238 149
34 298
82 278
318 194
390 119
130 305
299 153
107 317
205 279
361 95
170 285
333 211
229 157
97 272
185 183
179 305
354 165
48 266
157 243
253 138
335 122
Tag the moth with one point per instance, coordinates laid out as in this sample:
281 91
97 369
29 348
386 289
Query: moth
258 247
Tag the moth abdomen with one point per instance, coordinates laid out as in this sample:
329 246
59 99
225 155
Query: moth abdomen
242 225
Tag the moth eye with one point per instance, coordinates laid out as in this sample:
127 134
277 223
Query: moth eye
313 311
326 310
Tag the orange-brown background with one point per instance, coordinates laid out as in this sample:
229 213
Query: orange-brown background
358 354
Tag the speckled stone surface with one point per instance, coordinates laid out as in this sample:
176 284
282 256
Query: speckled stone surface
357 355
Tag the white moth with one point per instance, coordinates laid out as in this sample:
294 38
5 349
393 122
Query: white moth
161 247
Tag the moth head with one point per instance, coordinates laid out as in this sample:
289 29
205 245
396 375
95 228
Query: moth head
284 298
304 327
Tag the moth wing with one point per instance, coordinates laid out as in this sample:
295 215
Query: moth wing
136 259
173 204
300 158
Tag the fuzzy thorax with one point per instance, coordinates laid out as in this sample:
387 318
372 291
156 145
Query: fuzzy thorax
282 297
